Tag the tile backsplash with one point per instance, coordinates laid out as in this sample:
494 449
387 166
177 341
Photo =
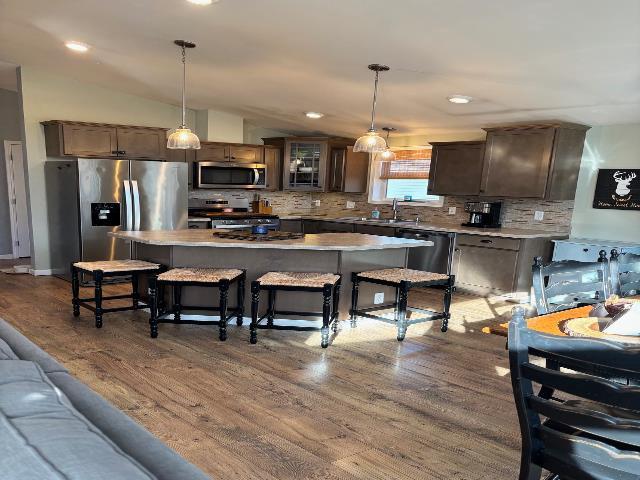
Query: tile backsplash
516 213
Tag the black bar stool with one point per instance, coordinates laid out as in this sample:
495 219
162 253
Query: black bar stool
403 280
101 270
196 277
327 283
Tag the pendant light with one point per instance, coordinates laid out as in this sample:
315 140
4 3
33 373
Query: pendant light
371 142
388 154
183 138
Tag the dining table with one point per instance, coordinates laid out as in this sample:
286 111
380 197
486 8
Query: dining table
554 323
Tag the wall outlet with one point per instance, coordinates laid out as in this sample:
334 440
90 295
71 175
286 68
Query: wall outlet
538 215
316 203
452 210
351 204
378 298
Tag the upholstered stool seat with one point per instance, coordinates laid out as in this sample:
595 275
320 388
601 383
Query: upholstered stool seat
119 266
177 278
398 275
101 269
327 283
298 279
403 280
199 275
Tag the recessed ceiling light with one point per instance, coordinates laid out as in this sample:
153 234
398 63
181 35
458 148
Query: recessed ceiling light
77 46
459 99
314 115
202 2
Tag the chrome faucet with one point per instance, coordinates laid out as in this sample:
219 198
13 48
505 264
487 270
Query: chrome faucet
395 209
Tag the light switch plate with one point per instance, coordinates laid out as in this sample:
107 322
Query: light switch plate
316 203
378 298
538 215
351 204
452 210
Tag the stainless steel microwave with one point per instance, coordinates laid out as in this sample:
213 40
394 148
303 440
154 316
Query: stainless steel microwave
231 175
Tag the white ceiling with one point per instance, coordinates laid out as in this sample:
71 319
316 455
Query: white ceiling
270 61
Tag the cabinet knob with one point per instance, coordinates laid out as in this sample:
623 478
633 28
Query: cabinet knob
486 241
585 249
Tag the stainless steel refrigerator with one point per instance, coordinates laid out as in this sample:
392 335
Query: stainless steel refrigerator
89 197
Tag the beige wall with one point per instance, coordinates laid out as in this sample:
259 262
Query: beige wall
216 126
47 97
612 146
254 134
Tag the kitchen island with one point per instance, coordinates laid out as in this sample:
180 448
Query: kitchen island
342 253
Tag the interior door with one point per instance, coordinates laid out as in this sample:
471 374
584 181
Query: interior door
17 199
101 181
162 191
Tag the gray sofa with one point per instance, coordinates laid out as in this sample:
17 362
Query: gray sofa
54 427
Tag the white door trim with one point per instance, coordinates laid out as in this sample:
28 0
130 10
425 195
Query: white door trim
11 191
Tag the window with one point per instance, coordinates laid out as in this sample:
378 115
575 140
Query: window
406 176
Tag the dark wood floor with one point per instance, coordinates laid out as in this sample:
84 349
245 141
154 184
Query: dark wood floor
437 406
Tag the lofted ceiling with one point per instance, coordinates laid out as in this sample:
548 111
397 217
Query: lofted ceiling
270 61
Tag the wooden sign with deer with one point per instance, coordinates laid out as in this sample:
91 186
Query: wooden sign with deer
618 188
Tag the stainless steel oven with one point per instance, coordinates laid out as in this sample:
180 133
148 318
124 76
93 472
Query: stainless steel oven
231 175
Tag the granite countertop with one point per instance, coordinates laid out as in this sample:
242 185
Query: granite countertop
593 241
435 227
320 241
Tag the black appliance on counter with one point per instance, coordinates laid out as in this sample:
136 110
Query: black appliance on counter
483 214
228 215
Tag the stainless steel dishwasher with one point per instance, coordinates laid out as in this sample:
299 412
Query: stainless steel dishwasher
435 259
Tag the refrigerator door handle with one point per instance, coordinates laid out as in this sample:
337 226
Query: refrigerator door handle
128 205
136 204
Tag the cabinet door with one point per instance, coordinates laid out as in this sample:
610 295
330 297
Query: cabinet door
490 269
305 166
456 169
142 143
245 154
337 169
311 226
516 163
212 153
356 172
274 174
376 230
89 141
294 226
334 227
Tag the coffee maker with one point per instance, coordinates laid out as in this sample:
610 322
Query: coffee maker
483 214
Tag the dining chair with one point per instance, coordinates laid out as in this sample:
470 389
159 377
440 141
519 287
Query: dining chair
595 433
624 273
568 284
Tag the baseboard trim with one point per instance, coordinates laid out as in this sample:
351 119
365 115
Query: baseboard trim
7 256
39 273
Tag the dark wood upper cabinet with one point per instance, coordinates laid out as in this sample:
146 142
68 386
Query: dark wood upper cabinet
456 168
533 161
212 152
142 143
80 139
273 160
348 171
245 153
86 141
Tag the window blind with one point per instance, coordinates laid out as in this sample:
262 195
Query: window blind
409 164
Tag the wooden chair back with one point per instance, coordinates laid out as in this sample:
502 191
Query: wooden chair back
624 273
596 433
568 283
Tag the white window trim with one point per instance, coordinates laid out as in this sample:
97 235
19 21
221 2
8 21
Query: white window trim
378 187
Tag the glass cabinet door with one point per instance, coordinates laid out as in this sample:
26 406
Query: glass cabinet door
305 165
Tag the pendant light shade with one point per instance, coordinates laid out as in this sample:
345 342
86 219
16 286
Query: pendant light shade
388 154
371 142
183 138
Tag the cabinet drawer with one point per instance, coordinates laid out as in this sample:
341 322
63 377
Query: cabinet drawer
491 242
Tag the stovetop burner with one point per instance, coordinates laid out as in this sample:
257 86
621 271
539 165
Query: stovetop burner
257 237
